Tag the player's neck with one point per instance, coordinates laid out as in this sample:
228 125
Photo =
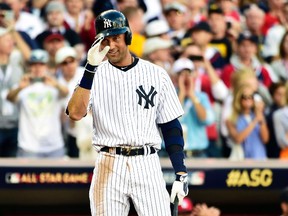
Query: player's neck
128 60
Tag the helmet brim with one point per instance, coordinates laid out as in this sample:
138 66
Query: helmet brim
115 31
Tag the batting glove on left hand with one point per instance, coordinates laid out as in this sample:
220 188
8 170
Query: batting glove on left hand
179 188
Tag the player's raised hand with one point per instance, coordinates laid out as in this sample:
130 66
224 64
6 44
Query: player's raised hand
95 56
179 188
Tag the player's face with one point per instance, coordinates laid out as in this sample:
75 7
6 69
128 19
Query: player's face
119 52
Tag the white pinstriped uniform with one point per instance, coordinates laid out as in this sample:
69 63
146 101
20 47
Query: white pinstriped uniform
121 117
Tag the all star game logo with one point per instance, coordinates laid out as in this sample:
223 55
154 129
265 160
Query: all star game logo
48 178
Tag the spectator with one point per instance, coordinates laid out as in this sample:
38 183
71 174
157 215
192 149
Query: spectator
244 4
277 91
68 74
254 20
87 33
208 81
81 20
242 77
175 14
55 23
37 8
38 97
198 112
281 127
25 21
11 71
74 14
135 18
274 36
22 39
275 14
280 66
246 57
231 12
196 11
201 34
219 27
52 42
246 125
157 50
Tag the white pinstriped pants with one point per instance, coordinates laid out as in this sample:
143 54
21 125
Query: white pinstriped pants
117 177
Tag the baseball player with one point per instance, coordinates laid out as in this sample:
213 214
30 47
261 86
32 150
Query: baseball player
132 101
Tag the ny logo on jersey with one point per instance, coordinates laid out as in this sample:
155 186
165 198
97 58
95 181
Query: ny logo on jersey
142 94
107 23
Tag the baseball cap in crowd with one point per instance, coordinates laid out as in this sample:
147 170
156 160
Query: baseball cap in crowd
48 36
176 6
214 8
201 26
39 56
156 27
156 43
182 64
55 6
64 53
246 35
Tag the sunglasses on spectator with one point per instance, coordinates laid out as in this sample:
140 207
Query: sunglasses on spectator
247 97
64 63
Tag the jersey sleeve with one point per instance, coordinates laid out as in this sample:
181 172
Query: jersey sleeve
169 106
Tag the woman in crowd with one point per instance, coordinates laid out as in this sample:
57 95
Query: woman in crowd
246 125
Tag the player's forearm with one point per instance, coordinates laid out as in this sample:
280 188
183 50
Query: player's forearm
174 143
77 106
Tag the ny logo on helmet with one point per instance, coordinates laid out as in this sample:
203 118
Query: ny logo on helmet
142 94
107 23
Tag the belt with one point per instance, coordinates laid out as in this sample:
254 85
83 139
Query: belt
128 151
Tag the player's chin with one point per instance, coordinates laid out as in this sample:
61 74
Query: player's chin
113 58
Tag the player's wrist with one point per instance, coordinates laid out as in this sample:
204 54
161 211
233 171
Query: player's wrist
88 76
182 177
90 68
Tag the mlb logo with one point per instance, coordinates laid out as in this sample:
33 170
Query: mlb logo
13 178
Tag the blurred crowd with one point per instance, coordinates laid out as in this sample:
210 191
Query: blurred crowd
228 60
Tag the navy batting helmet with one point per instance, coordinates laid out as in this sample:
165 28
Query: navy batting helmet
113 22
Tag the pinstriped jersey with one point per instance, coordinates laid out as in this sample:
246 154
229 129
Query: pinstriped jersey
128 105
